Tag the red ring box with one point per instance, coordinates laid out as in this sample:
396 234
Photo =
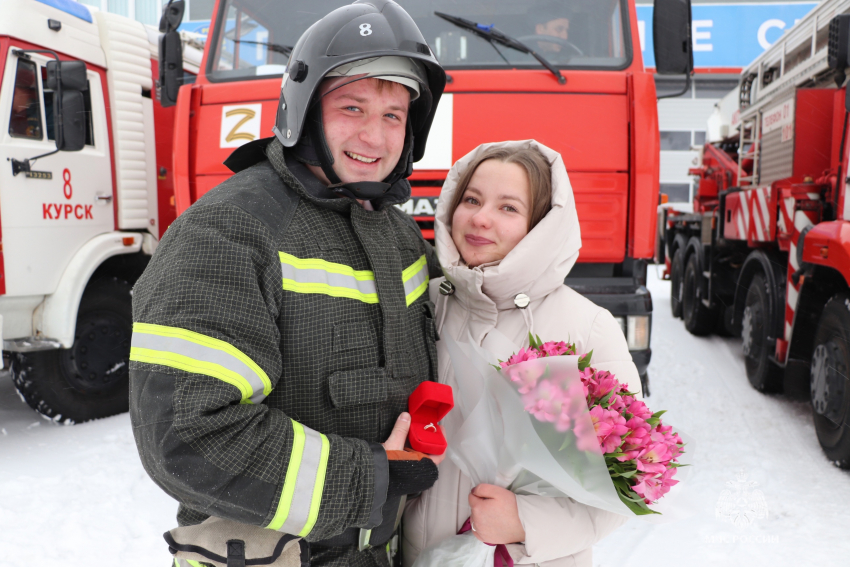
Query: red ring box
429 403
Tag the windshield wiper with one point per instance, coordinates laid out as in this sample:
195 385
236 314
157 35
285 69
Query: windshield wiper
490 33
283 49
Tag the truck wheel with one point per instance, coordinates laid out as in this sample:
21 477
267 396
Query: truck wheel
677 266
698 318
829 380
90 380
755 327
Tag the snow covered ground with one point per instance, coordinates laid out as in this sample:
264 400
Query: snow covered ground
77 496
770 439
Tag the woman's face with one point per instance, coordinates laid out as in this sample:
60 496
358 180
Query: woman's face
493 215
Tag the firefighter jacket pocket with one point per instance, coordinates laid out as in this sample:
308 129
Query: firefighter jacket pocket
356 387
225 543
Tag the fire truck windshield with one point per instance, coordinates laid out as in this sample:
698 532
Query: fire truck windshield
253 38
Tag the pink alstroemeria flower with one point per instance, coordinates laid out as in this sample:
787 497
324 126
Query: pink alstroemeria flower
653 459
648 487
552 348
639 409
523 355
610 427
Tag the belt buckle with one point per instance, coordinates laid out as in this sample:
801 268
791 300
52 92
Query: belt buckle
363 539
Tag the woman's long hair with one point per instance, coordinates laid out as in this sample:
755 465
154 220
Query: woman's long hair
537 168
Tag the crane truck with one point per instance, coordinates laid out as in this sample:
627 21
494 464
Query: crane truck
765 254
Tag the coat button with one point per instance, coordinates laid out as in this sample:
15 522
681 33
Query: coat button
521 301
447 288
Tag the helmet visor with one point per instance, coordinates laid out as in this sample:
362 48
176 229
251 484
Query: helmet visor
402 70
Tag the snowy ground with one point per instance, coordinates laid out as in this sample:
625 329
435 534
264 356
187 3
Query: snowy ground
77 496
703 385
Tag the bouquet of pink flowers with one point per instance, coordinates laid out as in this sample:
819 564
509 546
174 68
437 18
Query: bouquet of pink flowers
545 423
640 451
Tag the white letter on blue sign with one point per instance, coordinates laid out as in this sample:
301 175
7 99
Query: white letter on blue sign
698 35
763 31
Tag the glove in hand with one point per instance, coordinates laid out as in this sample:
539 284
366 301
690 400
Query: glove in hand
410 472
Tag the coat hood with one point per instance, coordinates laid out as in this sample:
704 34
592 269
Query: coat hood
538 264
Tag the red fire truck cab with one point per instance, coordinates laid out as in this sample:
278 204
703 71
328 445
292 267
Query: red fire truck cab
595 104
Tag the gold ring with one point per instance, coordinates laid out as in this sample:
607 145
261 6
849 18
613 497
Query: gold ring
432 426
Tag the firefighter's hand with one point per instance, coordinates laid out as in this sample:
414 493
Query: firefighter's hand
495 515
410 472
398 438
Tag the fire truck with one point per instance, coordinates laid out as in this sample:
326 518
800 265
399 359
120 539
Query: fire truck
569 74
766 252
86 191
85 203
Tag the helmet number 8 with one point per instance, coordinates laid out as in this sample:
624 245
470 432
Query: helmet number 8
365 29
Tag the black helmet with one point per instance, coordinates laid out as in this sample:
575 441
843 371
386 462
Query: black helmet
380 35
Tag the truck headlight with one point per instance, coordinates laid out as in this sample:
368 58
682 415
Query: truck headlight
622 322
637 332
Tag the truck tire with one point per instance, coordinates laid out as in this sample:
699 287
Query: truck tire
762 373
90 380
699 319
830 388
677 267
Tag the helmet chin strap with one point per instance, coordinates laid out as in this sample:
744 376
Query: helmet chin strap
361 190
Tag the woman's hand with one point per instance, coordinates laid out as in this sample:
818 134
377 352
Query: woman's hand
398 437
495 515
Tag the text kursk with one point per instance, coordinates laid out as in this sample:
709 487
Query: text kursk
55 211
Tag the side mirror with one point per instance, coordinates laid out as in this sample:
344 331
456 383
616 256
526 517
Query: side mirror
170 68
172 16
671 37
71 128
72 73
67 79
170 53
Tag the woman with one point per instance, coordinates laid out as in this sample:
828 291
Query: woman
507 235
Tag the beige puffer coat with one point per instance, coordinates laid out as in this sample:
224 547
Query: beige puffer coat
559 531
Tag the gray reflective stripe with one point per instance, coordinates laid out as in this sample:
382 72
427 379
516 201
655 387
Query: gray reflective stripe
308 475
417 280
308 276
187 354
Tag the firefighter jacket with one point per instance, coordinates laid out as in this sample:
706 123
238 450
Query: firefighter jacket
278 332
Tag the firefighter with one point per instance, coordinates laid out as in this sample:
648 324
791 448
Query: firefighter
284 319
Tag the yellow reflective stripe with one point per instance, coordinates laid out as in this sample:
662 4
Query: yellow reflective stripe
285 502
415 279
318 264
301 495
318 488
333 291
315 276
181 362
197 353
413 269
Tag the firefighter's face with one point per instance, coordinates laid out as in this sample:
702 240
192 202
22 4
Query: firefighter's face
493 215
364 125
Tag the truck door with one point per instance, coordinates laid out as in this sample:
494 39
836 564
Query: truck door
49 213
